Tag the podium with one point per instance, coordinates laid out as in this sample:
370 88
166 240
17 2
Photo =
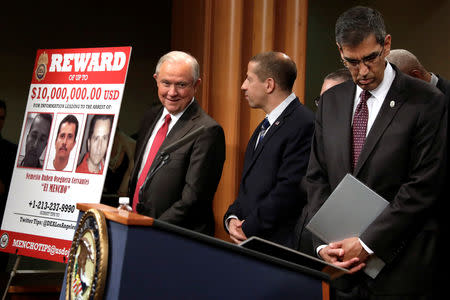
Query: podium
151 259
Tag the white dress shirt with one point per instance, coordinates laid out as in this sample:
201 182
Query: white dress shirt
276 112
159 123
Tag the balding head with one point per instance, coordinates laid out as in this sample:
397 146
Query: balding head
278 66
408 64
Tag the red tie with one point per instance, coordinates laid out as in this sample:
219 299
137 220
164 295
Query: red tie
159 138
360 126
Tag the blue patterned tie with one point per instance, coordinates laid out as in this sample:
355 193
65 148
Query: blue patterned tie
265 124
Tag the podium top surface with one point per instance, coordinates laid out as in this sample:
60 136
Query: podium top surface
134 219
113 214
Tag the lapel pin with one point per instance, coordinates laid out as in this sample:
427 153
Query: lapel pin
277 122
392 104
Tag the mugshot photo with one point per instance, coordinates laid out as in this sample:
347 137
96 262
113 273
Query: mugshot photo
95 143
65 142
35 139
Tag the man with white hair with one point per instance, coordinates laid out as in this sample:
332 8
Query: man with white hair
181 191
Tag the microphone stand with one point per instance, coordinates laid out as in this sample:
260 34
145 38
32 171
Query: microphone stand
164 156
162 160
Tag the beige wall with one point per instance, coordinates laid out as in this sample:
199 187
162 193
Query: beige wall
422 27
229 33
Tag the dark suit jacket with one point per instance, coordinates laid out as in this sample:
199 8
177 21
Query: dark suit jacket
181 192
444 86
403 161
268 198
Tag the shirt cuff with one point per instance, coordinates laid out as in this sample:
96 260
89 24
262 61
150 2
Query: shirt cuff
227 221
320 248
368 250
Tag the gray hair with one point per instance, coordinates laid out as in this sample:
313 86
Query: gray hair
174 56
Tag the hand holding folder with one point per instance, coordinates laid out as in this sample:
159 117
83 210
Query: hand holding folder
347 212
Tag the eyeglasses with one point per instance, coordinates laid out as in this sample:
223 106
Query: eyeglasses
316 101
368 61
178 85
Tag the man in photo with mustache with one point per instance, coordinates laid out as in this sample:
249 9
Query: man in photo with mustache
64 143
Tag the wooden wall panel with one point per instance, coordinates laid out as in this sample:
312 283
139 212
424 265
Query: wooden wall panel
224 96
223 36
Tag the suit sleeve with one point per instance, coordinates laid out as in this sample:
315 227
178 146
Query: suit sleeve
316 181
416 200
202 177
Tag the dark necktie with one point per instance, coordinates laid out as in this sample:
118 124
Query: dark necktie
359 127
159 138
265 124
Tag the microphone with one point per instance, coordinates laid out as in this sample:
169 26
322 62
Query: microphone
184 140
164 155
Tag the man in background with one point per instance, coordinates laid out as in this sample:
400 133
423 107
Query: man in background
8 152
303 238
339 76
409 64
276 158
37 140
65 141
182 189
332 79
97 144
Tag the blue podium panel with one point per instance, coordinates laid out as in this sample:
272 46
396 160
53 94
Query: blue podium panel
168 262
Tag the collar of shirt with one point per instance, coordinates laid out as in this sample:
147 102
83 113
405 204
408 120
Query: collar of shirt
375 102
277 111
173 121
434 80
174 117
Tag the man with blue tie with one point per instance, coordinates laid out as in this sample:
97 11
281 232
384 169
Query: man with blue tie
277 154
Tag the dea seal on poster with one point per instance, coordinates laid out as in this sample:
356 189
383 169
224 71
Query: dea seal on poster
41 68
88 259
4 240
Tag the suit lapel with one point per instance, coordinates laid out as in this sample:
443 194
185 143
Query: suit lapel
389 109
181 128
344 125
140 152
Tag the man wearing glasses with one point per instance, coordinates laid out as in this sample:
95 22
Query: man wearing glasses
182 190
388 130
332 79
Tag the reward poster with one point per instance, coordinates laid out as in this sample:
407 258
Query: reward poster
67 134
